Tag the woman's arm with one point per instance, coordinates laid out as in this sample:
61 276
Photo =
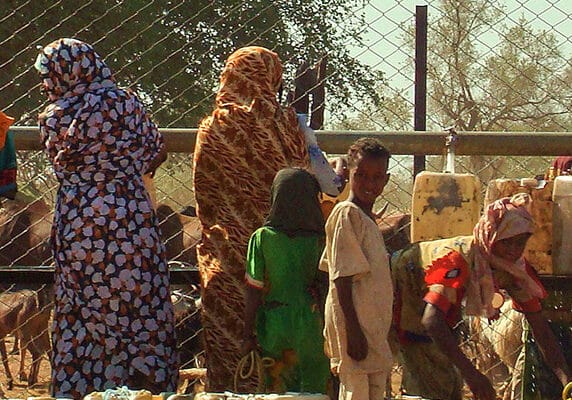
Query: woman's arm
435 324
549 346
356 341
157 161
252 302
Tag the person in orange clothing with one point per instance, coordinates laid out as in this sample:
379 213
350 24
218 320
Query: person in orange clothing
240 147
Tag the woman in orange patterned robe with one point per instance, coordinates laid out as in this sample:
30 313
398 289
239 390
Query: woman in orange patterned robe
240 147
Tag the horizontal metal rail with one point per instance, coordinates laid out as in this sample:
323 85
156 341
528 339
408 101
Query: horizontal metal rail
181 276
182 140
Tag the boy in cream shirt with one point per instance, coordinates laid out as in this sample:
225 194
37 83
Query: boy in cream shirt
360 297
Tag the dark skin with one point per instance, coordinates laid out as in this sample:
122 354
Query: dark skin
357 343
549 346
253 300
367 179
434 322
159 159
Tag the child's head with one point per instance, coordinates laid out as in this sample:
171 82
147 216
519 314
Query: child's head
368 162
505 227
295 209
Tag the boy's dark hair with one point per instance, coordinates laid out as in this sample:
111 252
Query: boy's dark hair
367 147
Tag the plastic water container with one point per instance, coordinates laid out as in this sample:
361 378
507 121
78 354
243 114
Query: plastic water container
562 225
444 205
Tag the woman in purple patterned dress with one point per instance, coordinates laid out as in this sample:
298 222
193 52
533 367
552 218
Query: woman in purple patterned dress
113 321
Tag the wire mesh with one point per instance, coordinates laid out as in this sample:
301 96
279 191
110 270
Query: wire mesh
498 66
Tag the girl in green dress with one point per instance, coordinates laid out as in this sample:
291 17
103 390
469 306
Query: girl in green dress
282 305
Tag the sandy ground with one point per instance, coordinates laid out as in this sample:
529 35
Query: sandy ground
20 389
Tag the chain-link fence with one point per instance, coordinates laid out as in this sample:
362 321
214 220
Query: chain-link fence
491 66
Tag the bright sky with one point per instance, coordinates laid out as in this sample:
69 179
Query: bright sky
384 46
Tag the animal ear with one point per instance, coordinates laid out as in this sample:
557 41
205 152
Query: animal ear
379 213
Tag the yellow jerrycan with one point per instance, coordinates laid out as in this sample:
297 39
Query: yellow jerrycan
562 225
445 204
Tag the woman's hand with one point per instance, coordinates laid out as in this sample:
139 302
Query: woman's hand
435 325
157 161
480 386
248 344
549 346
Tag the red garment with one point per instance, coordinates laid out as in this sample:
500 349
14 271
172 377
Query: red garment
450 271
562 164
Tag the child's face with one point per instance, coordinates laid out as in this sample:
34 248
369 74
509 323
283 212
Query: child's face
368 178
511 249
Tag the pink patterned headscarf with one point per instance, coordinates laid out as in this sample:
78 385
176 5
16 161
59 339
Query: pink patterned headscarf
502 219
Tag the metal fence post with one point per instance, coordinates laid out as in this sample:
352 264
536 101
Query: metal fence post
420 115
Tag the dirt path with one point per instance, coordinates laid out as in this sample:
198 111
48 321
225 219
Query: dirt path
21 389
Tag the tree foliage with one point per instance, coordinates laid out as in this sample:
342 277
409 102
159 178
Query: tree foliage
486 75
172 52
394 114
488 72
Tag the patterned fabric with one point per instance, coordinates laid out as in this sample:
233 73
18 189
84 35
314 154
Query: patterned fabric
429 372
435 272
439 272
240 147
502 219
113 318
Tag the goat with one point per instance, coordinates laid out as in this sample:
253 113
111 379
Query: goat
180 233
497 346
187 305
25 313
395 230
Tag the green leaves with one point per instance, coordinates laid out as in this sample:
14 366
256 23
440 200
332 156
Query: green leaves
172 52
